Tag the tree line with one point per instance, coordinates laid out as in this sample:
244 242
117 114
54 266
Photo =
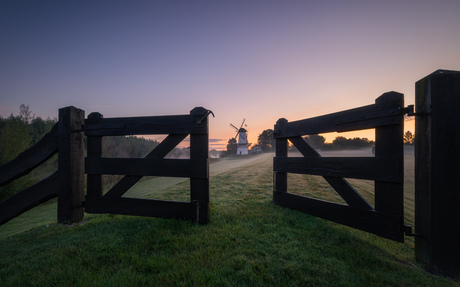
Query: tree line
267 142
18 133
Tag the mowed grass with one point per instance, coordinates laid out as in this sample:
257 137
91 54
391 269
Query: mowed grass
249 242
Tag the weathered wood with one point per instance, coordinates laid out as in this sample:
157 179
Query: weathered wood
386 115
437 170
384 169
385 225
70 164
340 185
29 198
280 184
366 117
196 168
169 143
142 207
30 158
148 167
199 151
94 151
180 124
389 196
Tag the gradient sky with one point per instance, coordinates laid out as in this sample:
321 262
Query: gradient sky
258 60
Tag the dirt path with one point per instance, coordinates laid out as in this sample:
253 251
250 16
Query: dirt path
229 164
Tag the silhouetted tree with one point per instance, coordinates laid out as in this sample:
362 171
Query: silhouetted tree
266 140
232 146
315 141
25 114
40 127
340 142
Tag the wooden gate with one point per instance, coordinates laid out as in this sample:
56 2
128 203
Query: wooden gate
154 164
386 218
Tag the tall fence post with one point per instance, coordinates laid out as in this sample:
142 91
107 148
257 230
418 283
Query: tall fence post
280 178
94 150
199 149
71 150
389 196
437 172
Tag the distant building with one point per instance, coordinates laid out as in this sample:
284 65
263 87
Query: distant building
256 149
242 148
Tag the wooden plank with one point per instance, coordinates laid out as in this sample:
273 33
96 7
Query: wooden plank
159 152
29 198
30 158
371 168
366 117
381 224
437 170
142 207
280 183
199 150
389 196
195 168
180 124
70 164
340 185
94 150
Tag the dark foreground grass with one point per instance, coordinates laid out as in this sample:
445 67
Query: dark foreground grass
249 242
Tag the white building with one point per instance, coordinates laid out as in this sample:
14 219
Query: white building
256 149
242 142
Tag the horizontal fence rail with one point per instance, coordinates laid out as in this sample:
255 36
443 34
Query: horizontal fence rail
379 168
180 124
148 167
30 158
29 198
22 165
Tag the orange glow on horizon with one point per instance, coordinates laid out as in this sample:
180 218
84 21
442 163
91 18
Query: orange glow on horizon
409 125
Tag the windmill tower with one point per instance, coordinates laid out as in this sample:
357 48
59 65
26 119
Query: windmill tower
242 139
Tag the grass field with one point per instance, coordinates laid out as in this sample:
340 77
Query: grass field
249 241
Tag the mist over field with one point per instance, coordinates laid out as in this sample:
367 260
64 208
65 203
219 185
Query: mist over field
364 152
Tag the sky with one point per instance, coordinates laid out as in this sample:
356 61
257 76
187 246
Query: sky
254 60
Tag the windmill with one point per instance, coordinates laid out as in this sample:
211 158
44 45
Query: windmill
242 139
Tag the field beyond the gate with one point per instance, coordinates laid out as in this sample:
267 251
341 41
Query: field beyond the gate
248 242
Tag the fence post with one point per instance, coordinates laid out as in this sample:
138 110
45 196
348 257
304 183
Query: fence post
199 149
389 196
94 150
280 184
70 164
437 170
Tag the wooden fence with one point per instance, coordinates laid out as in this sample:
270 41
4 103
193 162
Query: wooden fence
386 168
196 168
67 138
437 170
